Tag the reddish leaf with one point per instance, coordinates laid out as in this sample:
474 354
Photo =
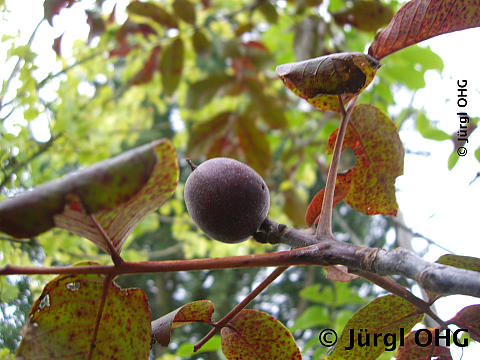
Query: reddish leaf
386 314
119 192
171 66
57 45
411 349
254 144
469 318
204 134
96 23
255 335
185 10
341 190
373 137
111 17
197 311
62 321
145 75
339 273
130 27
321 80
419 20
53 7
122 51
154 12
365 15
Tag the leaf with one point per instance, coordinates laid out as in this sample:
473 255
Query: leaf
461 262
365 15
321 80
53 7
428 130
411 349
203 91
201 44
57 45
254 144
268 106
171 66
294 206
468 318
255 335
62 321
154 12
185 10
119 192
477 154
145 75
315 315
197 311
386 314
96 23
131 27
203 134
373 137
269 11
339 273
419 20
342 188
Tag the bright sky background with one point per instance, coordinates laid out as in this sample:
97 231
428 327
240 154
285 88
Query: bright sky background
437 203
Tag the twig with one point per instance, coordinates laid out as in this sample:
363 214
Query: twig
224 321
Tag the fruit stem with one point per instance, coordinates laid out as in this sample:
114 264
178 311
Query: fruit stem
191 163
324 227
240 306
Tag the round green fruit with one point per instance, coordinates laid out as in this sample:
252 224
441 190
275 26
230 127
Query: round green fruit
228 200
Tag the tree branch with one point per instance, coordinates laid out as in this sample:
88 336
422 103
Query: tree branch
441 279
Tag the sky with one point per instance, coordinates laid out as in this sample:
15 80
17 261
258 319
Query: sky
440 204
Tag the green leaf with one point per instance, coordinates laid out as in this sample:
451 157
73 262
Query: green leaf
203 91
321 80
171 66
312 316
453 159
197 311
258 336
269 11
201 44
63 318
419 20
185 10
365 15
477 154
386 314
461 262
427 129
154 12
119 192
373 137
186 350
